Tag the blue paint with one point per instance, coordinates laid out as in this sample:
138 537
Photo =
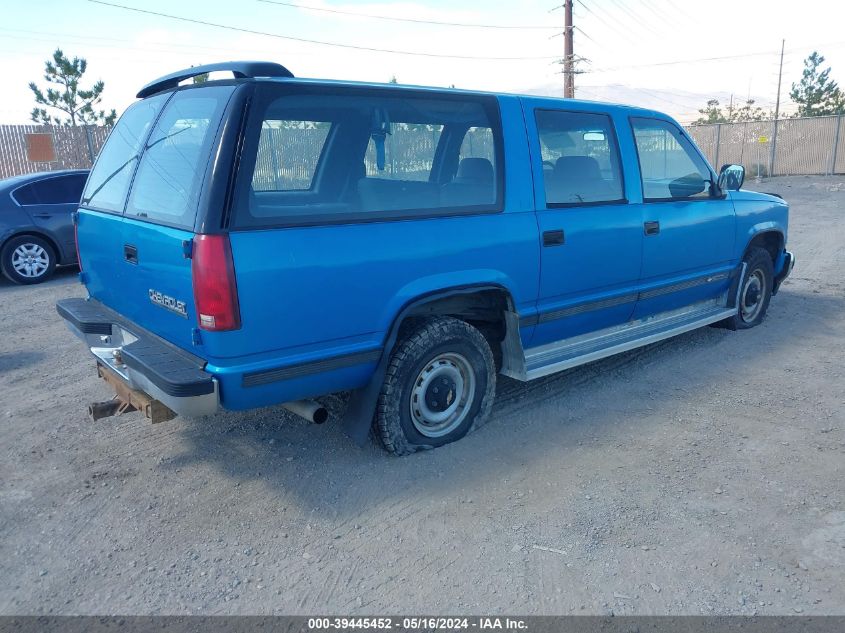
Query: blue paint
319 285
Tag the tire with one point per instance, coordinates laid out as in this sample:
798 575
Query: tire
755 291
442 358
27 259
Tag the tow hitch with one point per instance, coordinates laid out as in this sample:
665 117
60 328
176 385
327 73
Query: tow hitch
127 400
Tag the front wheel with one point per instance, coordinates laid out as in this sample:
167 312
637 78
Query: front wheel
439 385
755 291
27 260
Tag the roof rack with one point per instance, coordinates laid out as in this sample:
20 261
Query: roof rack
239 69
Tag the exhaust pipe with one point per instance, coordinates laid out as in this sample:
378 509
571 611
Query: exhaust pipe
309 410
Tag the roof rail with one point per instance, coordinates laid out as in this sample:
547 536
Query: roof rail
239 69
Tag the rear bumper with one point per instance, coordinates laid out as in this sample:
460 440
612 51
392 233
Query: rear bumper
145 361
785 271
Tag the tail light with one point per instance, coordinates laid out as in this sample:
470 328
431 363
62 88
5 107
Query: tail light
215 290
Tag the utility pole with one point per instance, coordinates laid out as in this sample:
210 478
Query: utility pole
773 148
569 52
780 76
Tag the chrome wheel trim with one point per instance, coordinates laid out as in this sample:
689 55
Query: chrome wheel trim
753 291
30 260
457 371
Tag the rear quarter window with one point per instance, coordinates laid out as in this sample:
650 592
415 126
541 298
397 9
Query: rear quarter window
337 156
288 151
170 175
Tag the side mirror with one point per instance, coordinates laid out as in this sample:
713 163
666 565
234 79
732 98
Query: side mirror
731 177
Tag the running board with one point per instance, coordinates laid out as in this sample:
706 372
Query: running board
560 355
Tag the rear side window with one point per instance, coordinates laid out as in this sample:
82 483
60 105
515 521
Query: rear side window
670 166
580 158
288 151
26 195
479 143
109 181
362 155
56 190
408 151
170 175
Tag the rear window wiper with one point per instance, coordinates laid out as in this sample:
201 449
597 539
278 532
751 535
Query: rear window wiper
131 158
87 200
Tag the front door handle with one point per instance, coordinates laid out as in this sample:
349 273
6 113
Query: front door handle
43 216
652 227
553 238
130 253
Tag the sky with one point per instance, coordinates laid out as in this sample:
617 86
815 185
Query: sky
669 55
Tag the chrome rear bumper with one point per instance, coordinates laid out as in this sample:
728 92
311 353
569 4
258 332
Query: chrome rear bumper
143 360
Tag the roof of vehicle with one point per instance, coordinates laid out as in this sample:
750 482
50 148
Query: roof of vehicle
273 72
307 81
23 179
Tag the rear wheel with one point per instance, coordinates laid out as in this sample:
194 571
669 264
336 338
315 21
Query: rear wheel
755 291
439 385
27 260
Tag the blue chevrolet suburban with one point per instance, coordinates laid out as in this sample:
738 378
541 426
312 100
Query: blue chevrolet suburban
265 240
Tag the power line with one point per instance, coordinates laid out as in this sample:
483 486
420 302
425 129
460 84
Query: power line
682 61
624 33
318 42
636 18
414 20
657 13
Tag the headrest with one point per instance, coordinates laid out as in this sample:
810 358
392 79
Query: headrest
578 167
475 169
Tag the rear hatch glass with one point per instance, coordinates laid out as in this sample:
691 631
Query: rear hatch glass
140 207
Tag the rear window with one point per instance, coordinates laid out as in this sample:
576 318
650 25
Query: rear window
109 181
364 155
167 186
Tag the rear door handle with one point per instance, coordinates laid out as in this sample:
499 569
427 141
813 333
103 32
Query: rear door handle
651 227
130 253
45 216
553 238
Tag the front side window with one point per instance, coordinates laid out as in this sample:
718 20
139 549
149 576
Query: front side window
670 166
109 181
580 158
170 175
360 155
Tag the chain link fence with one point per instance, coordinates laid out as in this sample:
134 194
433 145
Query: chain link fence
792 147
810 146
29 148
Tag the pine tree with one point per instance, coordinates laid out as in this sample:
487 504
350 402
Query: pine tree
67 97
817 94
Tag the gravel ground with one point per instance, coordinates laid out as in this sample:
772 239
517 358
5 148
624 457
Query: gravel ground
703 474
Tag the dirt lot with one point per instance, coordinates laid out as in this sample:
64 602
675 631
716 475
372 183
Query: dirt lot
704 474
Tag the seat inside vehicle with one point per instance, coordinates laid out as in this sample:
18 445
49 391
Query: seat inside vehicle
577 179
381 194
473 184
